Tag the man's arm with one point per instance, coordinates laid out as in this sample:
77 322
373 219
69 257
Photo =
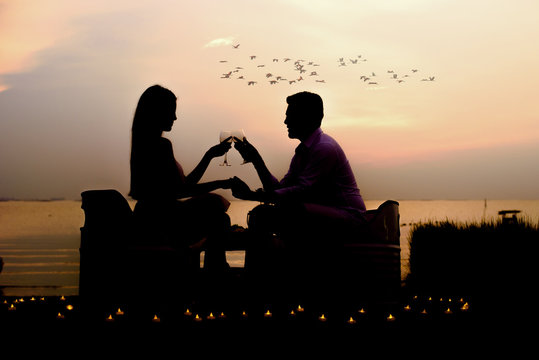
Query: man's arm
250 154
321 163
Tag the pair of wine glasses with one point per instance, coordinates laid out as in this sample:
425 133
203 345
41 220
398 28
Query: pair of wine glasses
231 136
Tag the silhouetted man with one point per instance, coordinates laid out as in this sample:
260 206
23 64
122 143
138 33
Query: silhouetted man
319 193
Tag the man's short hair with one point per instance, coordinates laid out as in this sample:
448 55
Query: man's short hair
311 106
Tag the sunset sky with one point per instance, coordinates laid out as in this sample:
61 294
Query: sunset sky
71 73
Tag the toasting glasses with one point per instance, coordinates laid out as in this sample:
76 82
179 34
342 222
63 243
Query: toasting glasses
231 136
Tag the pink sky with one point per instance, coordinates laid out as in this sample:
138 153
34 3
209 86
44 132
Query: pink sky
71 73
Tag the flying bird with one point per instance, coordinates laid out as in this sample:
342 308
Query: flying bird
251 82
321 81
235 46
253 57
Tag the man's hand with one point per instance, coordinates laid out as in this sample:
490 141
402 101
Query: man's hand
248 152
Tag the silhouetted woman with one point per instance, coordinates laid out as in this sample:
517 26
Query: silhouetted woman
158 183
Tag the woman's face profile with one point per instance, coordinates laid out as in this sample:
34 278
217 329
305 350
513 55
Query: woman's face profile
169 116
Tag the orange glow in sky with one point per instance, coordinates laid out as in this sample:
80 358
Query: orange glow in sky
416 91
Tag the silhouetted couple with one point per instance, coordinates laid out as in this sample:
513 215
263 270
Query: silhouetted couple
318 192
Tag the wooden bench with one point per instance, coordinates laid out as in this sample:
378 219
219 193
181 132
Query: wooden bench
118 261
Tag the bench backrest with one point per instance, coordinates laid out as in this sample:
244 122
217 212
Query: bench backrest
107 218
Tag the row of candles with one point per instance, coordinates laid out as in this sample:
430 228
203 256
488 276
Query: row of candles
449 308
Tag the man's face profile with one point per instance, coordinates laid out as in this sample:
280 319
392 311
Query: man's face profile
294 122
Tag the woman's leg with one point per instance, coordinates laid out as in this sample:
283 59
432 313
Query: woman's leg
207 220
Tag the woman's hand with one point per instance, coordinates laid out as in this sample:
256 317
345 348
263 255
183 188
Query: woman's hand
219 149
240 189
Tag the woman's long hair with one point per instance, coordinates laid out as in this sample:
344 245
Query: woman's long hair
152 107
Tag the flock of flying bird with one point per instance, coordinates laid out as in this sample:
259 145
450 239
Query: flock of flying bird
307 70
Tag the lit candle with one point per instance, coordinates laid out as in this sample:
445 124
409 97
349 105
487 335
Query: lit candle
351 321
59 316
210 317
119 312
156 319
109 318
407 308
12 308
32 299
62 298
267 314
222 316
465 307
362 311
300 309
424 312
390 318
322 318
197 318
244 314
69 307
448 311
292 313
187 313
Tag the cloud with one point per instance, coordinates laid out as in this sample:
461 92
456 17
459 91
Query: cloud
220 42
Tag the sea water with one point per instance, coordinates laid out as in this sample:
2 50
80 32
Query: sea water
40 240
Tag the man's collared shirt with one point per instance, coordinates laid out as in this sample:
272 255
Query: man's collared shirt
320 173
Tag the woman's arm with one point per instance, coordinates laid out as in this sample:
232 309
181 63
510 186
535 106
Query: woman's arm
203 188
215 151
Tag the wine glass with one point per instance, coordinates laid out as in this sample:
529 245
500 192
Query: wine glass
239 136
225 136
